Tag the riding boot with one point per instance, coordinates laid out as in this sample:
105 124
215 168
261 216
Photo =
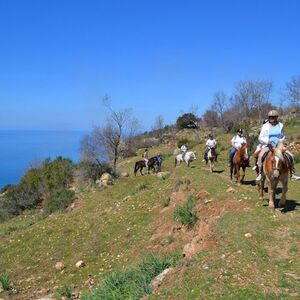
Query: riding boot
258 178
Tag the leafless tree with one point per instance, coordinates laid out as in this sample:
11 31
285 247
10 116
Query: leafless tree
120 124
219 105
158 127
211 119
292 91
251 95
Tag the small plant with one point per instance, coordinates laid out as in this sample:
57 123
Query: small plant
66 291
184 214
6 283
166 202
168 240
140 187
297 158
58 200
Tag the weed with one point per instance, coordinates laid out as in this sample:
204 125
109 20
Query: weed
140 187
66 291
168 240
166 202
133 283
5 281
297 158
184 214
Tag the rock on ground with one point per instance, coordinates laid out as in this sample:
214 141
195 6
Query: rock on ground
156 282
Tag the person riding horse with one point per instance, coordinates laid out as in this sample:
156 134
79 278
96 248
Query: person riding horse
184 149
210 144
146 156
237 141
272 132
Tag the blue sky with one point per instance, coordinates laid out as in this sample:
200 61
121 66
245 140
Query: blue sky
59 58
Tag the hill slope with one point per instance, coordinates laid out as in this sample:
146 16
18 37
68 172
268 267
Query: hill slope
116 227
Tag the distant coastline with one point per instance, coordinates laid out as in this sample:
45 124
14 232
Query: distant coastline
19 149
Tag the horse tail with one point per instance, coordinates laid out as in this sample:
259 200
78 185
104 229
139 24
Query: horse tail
136 167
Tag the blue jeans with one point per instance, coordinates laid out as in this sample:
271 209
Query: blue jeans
231 154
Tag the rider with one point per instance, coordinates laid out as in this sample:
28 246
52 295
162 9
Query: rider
210 143
237 141
184 149
271 133
146 156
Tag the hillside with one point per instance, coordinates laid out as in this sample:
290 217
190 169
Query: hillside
116 227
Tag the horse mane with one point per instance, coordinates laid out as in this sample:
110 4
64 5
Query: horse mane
278 151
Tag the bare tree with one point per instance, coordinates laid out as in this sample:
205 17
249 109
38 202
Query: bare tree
292 91
219 105
158 127
210 118
251 95
119 124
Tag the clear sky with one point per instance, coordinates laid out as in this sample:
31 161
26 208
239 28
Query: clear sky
59 57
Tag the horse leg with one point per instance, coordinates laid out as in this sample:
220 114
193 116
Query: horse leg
237 172
261 186
284 191
243 174
210 166
271 191
141 171
231 171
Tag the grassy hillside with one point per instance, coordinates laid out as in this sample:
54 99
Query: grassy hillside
115 228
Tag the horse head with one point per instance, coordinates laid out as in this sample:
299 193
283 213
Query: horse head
277 159
244 151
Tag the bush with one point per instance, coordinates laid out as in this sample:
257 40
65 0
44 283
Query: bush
297 158
166 202
184 214
187 120
6 283
183 141
66 291
58 200
133 283
89 172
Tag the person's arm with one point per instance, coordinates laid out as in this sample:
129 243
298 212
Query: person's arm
282 138
264 135
232 142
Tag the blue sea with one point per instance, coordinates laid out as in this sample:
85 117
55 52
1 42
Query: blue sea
19 150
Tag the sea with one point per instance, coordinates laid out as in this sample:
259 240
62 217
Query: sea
20 150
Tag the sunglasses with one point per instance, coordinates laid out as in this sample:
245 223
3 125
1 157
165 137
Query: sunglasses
271 117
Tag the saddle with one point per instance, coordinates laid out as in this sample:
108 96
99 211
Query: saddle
285 154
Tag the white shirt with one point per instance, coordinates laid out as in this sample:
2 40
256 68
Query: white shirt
237 141
183 148
211 143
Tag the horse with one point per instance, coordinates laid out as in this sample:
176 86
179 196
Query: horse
211 158
240 160
188 157
155 160
275 168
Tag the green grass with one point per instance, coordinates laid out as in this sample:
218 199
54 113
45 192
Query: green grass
5 281
184 214
132 283
166 202
111 229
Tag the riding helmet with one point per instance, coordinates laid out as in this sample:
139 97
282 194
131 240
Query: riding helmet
273 113
240 131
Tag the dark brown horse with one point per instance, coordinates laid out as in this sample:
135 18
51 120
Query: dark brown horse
275 168
240 160
152 162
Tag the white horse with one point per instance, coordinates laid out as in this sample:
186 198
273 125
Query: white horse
188 157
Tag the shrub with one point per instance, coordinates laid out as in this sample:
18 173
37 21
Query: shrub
184 214
297 158
166 202
191 143
187 120
133 283
66 291
57 173
58 200
89 172
5 281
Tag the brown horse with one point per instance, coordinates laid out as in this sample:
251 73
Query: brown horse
275 169
152 162
240 160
